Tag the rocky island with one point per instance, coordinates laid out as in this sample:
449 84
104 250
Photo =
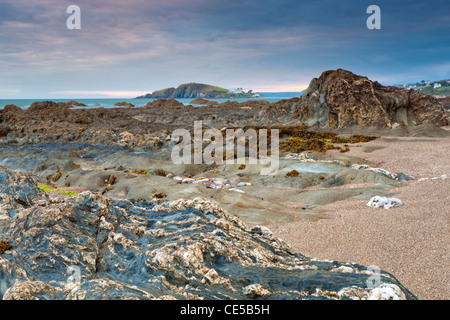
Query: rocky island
198 90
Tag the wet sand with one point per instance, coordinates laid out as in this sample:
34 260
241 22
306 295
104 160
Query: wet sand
412 241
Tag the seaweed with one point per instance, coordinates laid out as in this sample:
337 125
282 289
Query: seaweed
160 172
140 172
159 195
4 246
54 178
298 145
290 174
301 138
112 179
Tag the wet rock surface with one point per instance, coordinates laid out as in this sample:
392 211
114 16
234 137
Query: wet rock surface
96 247
122 173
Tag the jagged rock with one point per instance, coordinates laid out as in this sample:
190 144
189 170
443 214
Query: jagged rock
17 191
339 98
94 247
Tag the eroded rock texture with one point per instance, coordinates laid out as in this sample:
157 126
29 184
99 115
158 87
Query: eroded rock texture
339 98
94 247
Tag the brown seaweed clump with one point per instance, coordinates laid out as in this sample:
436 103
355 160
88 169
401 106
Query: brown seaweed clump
54 178
4 246
160 172
296 145
290 174
159 195
300 138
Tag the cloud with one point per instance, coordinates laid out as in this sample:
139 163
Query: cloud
140 44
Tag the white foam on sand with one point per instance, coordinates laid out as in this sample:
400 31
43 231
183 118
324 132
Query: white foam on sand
387 203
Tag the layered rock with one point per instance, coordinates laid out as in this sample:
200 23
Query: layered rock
95 247
339 98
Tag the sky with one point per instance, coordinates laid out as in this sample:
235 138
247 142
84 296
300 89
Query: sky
128 48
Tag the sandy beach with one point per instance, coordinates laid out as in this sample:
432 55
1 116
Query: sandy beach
411 241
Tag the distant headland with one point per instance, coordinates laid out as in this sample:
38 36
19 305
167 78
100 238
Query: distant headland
198 90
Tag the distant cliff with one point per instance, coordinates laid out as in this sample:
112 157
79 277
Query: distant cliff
198 90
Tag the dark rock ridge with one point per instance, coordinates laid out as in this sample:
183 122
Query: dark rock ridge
195 90
94 247
339 98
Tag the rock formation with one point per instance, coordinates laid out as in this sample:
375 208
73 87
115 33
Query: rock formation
75 103
164 103
339 98
124 104
201 101
94 247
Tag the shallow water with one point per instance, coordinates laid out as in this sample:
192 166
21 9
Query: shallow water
109 103
313 167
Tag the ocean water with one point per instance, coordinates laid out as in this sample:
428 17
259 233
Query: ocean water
109 103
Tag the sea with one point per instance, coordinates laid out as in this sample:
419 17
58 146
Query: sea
109 103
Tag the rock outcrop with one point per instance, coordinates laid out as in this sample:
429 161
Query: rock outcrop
76 103
94 247
339 98
124 104
164 103
201 101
